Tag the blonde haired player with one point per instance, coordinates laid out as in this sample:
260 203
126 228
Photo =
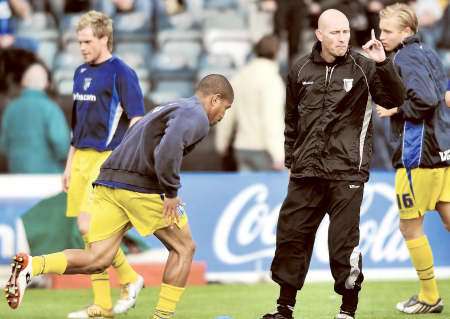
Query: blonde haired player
421 140
107 100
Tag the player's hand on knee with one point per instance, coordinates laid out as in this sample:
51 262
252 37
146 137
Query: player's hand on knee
170 209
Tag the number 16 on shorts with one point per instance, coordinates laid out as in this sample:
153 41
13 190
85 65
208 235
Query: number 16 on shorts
404 201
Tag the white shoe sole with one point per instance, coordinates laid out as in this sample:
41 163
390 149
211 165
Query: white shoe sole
19 279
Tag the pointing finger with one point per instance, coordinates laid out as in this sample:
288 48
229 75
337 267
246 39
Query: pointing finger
368 44
373 34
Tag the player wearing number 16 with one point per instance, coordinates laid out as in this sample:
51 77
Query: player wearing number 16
421 142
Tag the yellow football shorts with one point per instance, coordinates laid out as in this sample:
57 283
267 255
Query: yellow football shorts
85 168
114 210
429 186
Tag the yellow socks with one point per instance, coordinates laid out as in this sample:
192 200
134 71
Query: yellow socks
49 264
101 288
168 299
125 273
422 259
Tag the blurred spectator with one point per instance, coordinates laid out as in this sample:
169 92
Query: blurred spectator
9 9
174 6
20 8
13 63
443 44
444 41
373 7
257 112
34 134
315 9
429 14
75 6
60 7
163 9
289 17
358 18
114 7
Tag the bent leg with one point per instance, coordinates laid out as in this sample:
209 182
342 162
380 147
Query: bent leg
181 251
181 248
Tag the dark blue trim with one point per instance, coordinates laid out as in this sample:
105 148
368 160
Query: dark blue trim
412 144
408 173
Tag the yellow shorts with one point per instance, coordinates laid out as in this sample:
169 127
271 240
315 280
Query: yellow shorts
116 209
85 168
429 186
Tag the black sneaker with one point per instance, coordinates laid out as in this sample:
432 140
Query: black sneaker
276 315
414 306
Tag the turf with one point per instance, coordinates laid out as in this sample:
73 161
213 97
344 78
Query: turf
316 301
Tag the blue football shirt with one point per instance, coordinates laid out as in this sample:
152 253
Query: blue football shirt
105 97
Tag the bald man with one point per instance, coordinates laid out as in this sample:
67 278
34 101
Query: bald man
34 135
35 77
328 140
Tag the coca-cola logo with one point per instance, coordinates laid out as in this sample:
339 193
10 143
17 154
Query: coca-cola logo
249 221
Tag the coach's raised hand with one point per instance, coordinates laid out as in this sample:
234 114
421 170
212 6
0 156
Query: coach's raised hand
374 49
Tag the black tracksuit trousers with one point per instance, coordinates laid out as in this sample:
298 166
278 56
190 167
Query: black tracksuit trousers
307 202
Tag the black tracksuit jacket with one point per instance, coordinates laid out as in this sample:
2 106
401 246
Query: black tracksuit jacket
328 131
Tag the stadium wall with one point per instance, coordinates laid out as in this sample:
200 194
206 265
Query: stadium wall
233 219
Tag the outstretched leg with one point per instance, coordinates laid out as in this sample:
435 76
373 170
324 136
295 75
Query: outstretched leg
95 259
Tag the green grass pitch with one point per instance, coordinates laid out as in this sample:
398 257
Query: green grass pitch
315 301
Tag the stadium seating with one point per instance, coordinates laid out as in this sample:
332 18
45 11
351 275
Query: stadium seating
169 53
132 27
42 28
165 91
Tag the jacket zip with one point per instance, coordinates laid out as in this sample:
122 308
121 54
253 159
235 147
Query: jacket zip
328 79
327 82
